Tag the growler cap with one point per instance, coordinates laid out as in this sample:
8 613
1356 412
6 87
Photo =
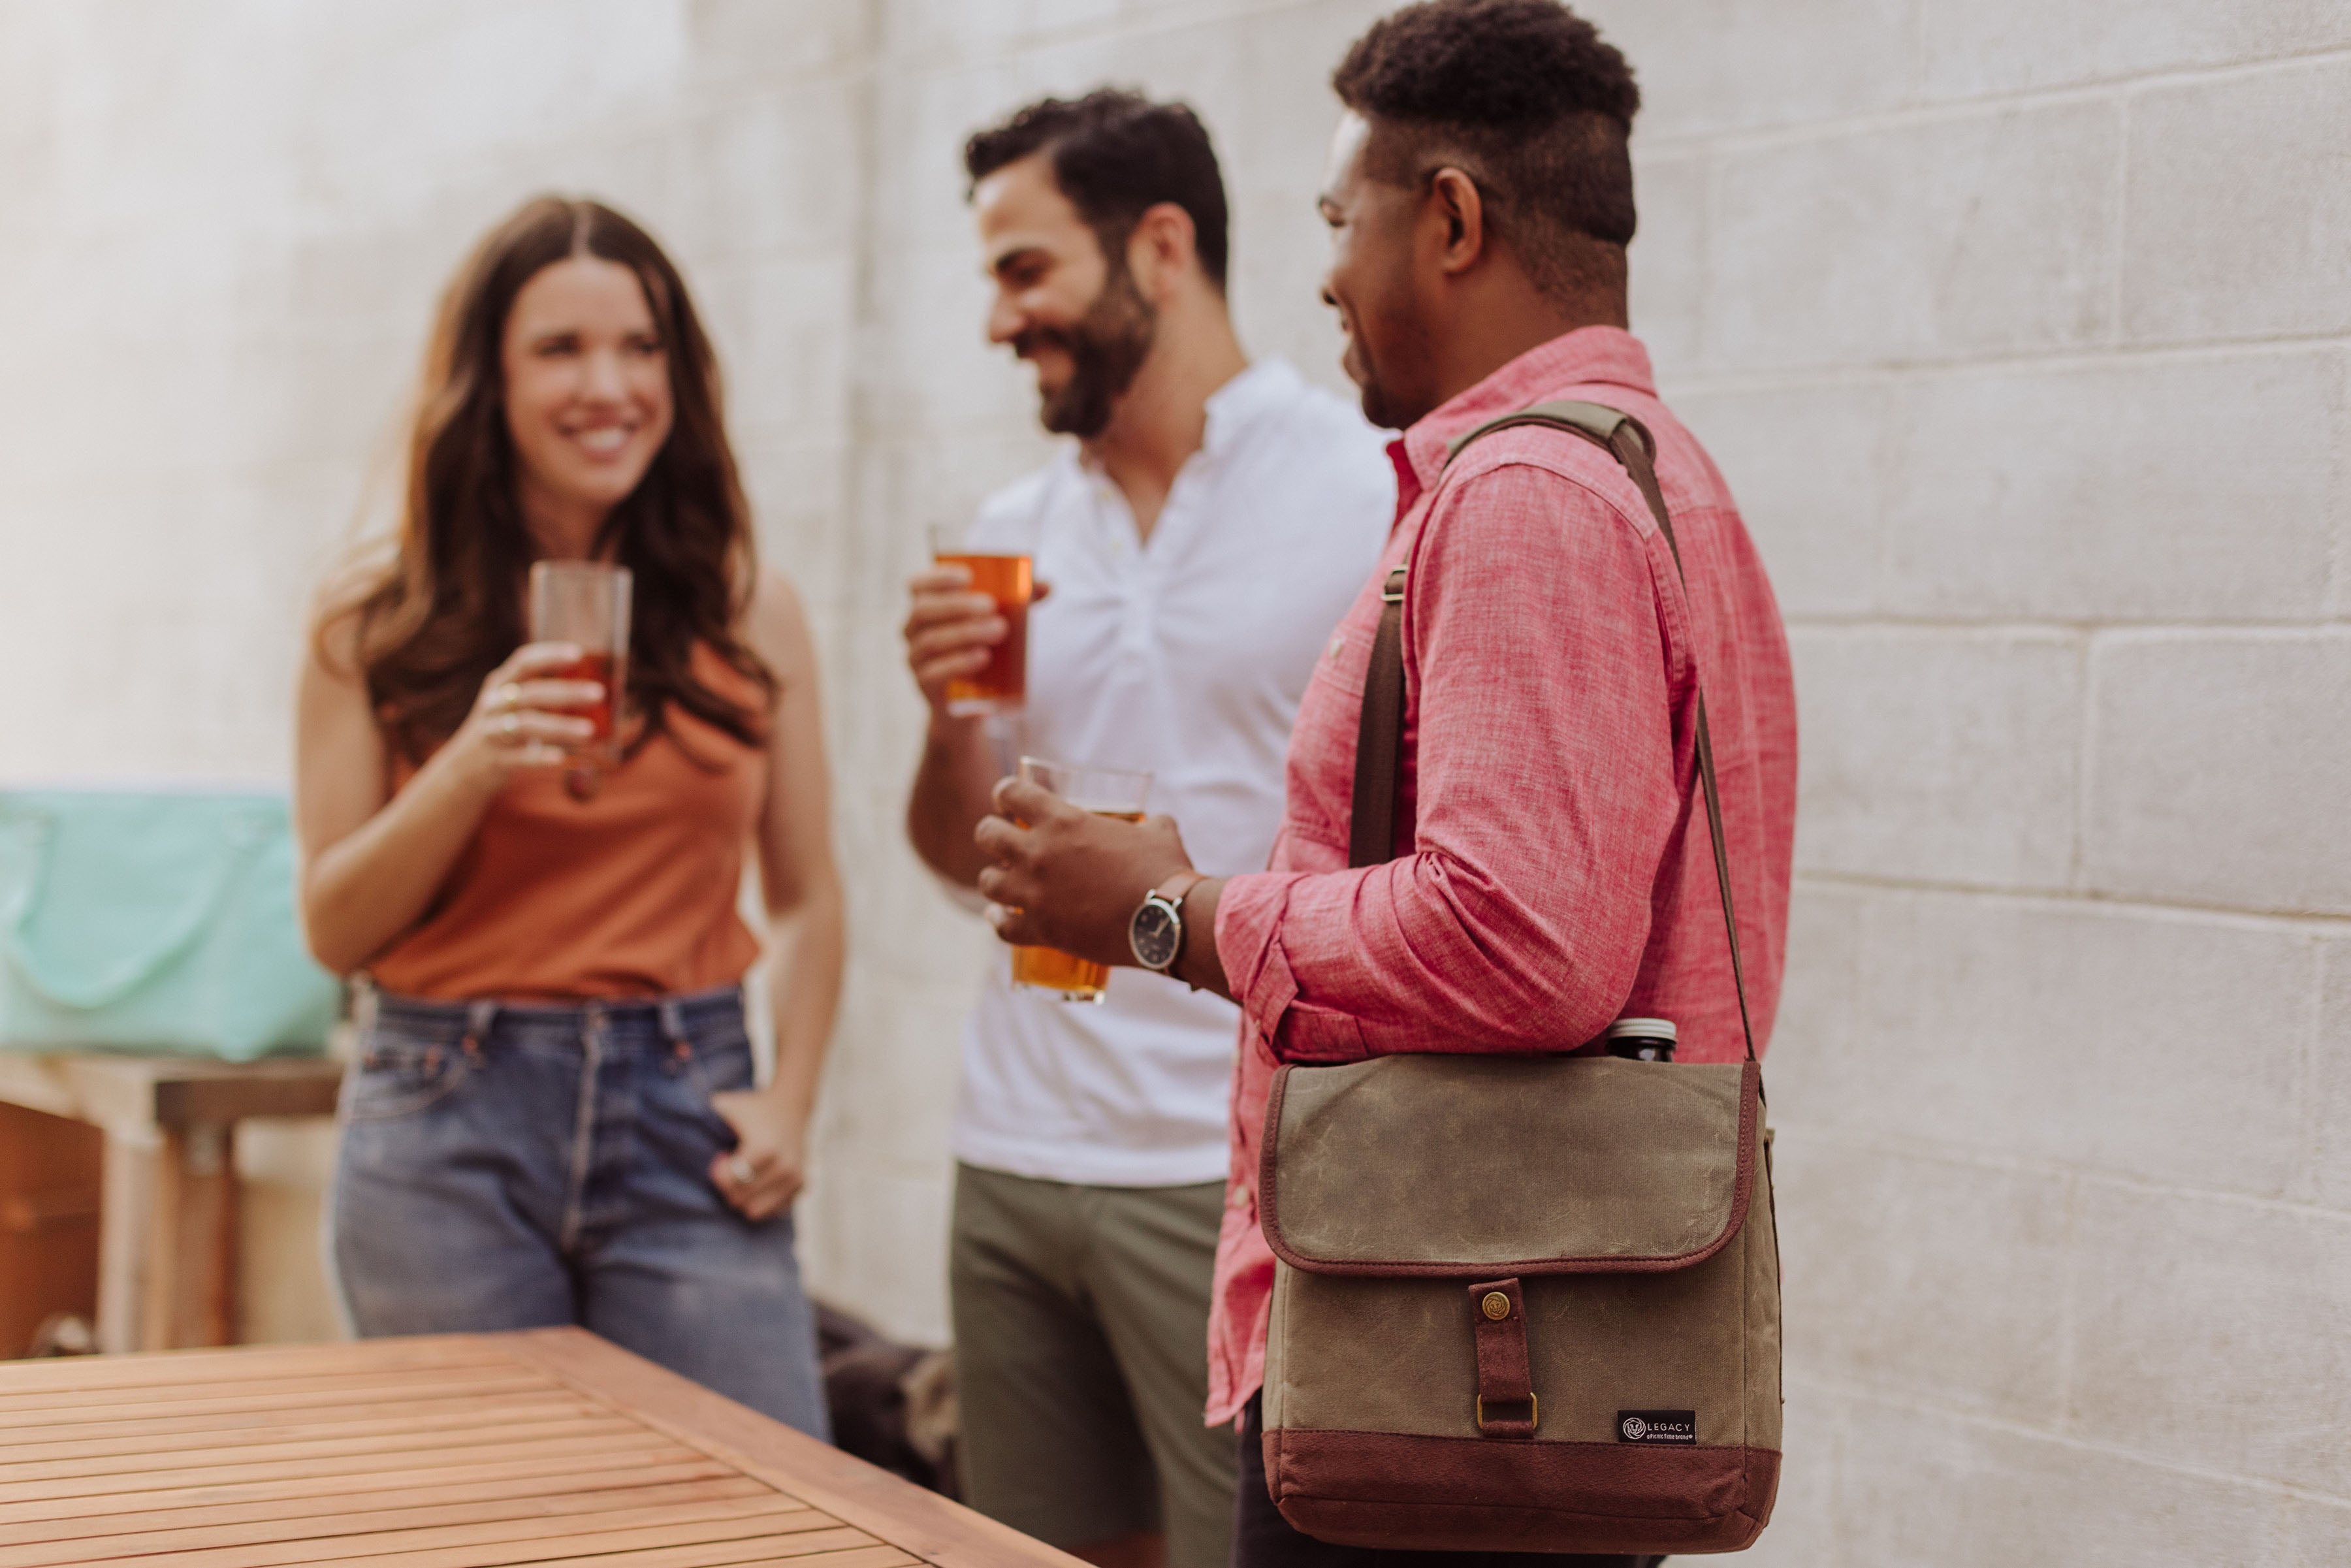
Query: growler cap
1642 1028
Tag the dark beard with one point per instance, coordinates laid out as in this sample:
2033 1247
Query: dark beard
1382 408
1379 409
1106 348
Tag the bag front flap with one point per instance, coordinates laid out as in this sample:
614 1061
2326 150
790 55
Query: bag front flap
1448 1166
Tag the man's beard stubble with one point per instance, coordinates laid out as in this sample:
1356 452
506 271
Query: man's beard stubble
1379 408
1382 408
1106 349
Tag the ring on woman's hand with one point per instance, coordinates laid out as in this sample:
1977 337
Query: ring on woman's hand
740 1169
506 697
510 727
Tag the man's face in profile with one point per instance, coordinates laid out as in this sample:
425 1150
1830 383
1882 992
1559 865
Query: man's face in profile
1370 282
1063 305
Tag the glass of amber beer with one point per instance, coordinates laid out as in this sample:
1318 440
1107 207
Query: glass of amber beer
587 603
1107 792
1001 685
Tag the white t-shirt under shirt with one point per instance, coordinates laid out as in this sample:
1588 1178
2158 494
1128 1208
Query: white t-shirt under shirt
1186 658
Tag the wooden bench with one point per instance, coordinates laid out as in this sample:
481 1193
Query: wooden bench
550 1448
167 1228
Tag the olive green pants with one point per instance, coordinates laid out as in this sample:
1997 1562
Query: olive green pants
1082 1370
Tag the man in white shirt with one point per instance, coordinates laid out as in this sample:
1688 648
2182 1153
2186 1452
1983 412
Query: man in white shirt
1201 538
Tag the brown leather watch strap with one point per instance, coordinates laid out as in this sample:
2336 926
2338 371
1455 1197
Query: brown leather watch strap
1173 890
1505 1390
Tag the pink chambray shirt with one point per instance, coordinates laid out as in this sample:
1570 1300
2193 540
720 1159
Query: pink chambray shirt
1557 875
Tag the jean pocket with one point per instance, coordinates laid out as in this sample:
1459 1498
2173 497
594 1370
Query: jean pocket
396 1077
714 1066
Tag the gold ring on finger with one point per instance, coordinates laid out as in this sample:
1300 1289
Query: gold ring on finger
506 697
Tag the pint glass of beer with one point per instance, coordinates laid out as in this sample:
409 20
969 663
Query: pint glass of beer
1105 791
587 603
1000 686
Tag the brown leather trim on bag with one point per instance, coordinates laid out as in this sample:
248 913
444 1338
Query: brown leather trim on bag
1269 1186
1468 1494
1506 1378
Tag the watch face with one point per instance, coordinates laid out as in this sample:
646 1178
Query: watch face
1153 933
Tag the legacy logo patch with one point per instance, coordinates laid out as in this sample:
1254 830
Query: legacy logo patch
1657 1426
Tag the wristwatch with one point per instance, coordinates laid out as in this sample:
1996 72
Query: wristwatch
1156 932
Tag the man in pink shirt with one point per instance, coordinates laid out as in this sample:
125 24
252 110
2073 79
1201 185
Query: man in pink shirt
1552 870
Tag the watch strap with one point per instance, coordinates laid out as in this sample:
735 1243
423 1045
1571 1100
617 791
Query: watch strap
1173 889
1171 892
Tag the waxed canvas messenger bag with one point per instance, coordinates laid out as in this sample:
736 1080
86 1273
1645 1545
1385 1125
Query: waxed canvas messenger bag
1521 1304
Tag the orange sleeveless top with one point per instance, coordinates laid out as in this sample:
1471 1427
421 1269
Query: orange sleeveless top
629 893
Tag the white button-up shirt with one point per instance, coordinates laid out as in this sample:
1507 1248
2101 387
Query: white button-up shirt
1185 656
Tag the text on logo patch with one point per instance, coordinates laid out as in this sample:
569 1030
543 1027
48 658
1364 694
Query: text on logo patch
1657 1426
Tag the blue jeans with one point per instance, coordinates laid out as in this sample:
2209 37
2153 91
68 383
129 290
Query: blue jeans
515 1167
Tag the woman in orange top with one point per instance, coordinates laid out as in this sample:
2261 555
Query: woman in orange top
553 1119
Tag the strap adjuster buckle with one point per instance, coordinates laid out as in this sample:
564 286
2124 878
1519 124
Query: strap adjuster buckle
1534 1411
1391 592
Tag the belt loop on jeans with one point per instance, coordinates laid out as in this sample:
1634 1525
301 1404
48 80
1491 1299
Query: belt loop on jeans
480 1014
672 1013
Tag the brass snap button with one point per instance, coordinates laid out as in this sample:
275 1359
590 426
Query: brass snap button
1497 1306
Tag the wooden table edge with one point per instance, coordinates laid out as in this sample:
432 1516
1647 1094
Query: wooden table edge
887 1507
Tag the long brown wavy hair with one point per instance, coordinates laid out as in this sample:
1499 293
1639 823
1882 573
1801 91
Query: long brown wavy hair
447 608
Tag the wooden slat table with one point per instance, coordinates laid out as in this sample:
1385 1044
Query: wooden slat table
550 1448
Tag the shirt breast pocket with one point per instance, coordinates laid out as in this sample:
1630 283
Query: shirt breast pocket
1346 658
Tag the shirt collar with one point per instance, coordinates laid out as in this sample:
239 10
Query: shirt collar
1587 355
1232 406
1230 410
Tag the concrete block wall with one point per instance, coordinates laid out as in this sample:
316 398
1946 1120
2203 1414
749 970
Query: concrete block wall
221 232
2020 334
2023 332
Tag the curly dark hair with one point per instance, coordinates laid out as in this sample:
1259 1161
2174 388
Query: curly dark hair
1116 154
1527 98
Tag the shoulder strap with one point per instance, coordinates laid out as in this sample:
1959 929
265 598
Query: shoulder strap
1379 737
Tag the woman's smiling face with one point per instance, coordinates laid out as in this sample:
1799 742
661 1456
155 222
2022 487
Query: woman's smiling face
588 398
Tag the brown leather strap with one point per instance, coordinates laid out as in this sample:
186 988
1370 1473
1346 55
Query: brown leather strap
1371 836
1174 890
1181 882
1371 825
1506 1384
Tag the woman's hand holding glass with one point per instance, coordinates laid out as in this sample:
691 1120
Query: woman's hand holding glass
522 719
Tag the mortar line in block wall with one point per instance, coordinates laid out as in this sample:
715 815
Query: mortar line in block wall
2118 174
2069 1302
2009 628
2048 361
2338 573
2309 1159
1857 1138
1793 133
1862 1393
2088 901
2328 630
2085 761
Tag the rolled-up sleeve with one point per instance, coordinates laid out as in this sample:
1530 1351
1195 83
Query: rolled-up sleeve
1543 690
